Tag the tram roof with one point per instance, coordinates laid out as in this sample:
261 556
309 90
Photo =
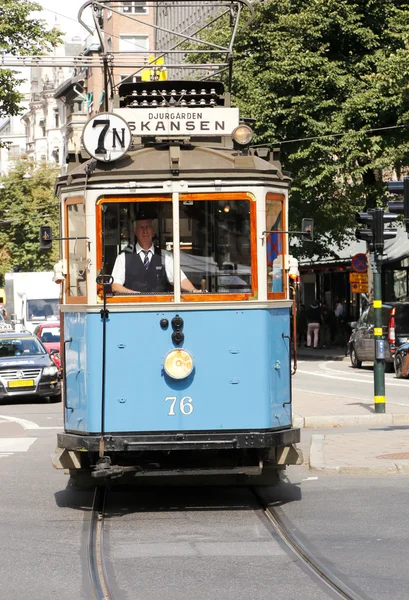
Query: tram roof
178 162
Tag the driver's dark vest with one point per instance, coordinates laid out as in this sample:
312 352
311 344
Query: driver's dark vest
152 279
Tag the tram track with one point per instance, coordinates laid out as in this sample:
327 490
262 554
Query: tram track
96 556
275 521
284 529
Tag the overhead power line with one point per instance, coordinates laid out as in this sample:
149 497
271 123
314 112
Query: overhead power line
329 135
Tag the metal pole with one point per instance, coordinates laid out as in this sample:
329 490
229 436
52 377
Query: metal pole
379 363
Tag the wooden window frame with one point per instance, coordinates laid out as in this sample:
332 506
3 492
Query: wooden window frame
279 198
226 197
116 200
73 299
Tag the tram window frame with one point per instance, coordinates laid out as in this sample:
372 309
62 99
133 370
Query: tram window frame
138 200
277 295
79 201
228 197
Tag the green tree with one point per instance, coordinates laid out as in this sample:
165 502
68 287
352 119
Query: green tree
20 34
27 201
327 81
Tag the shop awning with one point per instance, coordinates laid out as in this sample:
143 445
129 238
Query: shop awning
395 250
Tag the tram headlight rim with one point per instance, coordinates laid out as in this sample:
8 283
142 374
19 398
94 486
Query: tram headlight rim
243 127
171 368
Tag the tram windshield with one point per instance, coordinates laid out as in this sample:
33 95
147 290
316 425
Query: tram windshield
215 246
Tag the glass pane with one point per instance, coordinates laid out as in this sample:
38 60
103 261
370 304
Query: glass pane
274 245
43 309
77 250
137 247
215 246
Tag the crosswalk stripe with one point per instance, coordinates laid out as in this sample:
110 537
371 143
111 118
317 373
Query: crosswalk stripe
16 444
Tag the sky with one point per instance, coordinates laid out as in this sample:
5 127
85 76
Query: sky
65 13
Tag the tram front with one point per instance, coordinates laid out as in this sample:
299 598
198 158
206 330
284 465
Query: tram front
176 310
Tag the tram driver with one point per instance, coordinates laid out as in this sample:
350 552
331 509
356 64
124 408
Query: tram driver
143 269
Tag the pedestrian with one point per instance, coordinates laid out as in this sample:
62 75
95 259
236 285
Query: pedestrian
314 323
325 329
302 325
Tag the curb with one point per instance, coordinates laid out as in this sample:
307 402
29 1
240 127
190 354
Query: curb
317 463
329 422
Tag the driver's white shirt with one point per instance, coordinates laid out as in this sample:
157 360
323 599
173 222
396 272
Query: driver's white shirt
118 272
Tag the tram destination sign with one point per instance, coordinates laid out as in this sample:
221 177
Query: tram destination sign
168 121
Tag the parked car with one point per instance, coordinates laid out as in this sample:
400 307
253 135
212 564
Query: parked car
3 325
395 332
26 368
49 335
402 361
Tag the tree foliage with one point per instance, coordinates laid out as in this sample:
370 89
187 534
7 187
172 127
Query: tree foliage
26 202
327 81
22 35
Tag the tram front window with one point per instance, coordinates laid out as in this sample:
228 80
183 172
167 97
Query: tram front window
215 248
215 244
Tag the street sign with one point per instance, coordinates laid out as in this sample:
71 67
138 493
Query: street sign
359 288
358 263
358 278
359 282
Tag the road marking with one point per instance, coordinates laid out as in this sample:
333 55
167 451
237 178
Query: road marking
25 423
347 397
353 379
388 376
16 444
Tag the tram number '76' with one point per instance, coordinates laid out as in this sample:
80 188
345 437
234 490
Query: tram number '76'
185 405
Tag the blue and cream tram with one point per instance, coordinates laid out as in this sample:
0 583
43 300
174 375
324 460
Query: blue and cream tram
162 380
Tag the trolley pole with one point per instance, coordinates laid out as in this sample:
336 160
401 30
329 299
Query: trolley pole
379 363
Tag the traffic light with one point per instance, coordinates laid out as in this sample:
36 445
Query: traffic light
46 237
375 234
400 207
307 229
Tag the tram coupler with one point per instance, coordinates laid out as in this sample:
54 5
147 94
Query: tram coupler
104 468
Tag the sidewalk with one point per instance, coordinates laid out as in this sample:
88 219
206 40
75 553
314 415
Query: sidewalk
378 446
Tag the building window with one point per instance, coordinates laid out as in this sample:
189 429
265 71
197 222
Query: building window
135 7
131 78
42 127
14 151
133 43
56 118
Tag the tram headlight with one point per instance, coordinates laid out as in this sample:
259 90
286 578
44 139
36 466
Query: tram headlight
178 364
242 135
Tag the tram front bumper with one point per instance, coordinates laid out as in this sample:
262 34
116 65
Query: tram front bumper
239 440
276 445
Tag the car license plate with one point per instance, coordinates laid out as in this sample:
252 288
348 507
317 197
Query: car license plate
21 383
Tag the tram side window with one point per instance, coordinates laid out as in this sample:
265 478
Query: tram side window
77 250
215 245
274 246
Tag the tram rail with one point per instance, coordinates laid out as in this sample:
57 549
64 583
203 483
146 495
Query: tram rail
96 556
282 527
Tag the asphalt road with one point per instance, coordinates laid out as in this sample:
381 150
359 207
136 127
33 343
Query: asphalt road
193 542
335 378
